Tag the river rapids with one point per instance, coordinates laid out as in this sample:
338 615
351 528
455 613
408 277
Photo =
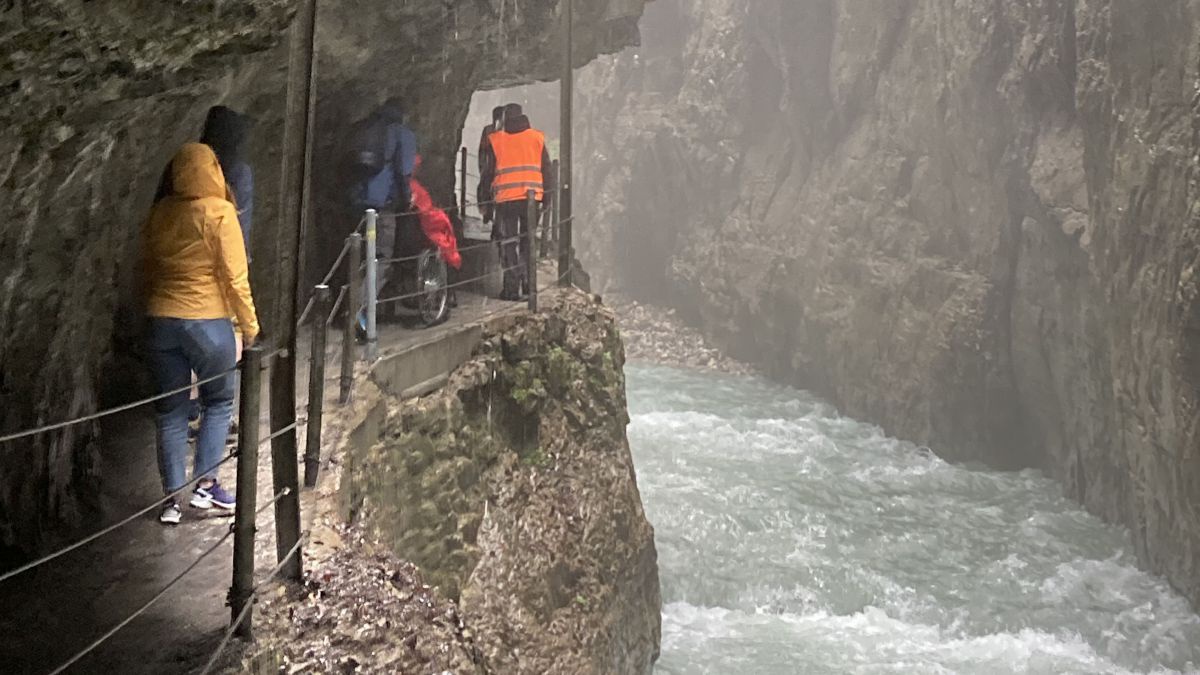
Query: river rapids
795 540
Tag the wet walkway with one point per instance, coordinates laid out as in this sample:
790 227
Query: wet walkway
55 611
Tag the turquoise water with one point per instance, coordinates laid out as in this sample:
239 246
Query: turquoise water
794 540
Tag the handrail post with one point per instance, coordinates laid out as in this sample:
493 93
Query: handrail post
565 239
285 470
316 386
554 210
462 189
247 469
566 151
372 285
531 260
543 225
353 304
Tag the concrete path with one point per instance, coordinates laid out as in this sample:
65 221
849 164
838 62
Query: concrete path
53 612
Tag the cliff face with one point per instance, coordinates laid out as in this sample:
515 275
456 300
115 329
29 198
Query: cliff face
95 97
513 489
972 223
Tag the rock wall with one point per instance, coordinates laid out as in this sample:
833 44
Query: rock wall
973 223
94 100
97 95
513 489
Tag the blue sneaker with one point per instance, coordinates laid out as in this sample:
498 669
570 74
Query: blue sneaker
213 495
360 328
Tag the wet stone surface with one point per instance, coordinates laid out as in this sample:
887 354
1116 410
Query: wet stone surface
654 334
364 610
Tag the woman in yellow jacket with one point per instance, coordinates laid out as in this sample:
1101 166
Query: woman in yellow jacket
194 266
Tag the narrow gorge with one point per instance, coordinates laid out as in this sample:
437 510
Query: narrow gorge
972 223
878 350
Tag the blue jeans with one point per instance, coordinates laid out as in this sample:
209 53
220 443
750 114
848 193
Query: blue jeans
179 347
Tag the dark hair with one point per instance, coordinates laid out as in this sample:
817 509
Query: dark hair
513 110
497 113
393 109
225 132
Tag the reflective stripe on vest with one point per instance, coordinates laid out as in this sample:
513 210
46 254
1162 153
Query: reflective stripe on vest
518 164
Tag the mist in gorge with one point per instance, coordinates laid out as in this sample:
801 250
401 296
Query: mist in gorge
970 224
804 336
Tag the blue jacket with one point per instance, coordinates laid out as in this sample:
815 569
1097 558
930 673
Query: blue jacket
379 192
241 181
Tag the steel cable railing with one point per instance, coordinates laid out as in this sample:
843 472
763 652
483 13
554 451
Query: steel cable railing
337 264
342 300
458 284
178 578
125 407
415 212
254 594
142 610
337 305
112 411
465 249
311 304
111 528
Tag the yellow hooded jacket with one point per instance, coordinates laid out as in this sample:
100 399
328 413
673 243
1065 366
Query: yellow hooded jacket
194 258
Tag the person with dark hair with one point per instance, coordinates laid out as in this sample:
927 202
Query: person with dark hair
225 131
195 276
483 194
521 162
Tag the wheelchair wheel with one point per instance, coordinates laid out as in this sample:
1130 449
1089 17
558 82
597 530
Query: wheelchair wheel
432 283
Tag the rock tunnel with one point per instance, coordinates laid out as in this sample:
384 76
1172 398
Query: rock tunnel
98 94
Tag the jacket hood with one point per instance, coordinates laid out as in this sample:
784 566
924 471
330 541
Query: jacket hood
516 124
195 173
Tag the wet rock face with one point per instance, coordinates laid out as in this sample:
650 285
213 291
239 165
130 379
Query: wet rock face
974 224
95 97
514 491
364 610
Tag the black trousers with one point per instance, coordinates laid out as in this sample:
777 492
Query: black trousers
512 220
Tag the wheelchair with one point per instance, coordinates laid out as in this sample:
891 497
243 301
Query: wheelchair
423 278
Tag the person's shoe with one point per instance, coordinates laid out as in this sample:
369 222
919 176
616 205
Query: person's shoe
214 495
170 514
360 329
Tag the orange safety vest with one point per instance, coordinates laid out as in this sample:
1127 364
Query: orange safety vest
518 164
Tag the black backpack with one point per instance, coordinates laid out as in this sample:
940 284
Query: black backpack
369 147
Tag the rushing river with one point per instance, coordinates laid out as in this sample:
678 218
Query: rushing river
794 540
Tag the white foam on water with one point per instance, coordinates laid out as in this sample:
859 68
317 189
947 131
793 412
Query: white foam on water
794 540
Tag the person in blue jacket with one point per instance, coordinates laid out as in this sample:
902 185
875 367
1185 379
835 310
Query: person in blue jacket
384 158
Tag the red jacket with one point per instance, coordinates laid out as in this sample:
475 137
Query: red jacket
434 222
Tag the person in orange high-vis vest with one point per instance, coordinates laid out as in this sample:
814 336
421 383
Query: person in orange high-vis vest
521 163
